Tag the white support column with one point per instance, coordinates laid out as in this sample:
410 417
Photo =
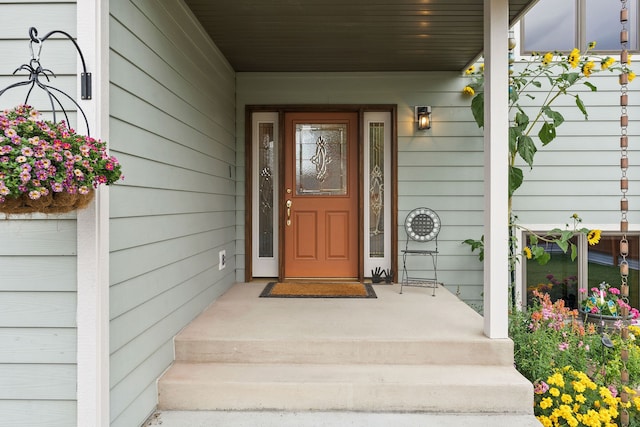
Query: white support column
93 229
496 154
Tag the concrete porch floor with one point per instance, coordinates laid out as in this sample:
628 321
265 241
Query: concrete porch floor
399 359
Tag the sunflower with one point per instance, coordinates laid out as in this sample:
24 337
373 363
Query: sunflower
468 90
547 58
574 58
470 70
593 237
587 68
527 252
607 62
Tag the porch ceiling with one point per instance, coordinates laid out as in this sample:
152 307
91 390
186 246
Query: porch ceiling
347 35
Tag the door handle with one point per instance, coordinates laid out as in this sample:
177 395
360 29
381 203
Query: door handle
288 204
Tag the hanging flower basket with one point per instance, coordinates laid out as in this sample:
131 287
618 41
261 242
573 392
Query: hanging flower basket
46 167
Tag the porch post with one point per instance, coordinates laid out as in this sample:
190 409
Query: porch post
93 231
496 154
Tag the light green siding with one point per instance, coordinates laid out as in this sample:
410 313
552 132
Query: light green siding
172 108
580 170
37 252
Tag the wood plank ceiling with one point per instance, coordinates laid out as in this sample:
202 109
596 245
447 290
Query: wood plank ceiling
347 35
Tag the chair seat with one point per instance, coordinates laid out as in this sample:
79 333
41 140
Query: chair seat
419 251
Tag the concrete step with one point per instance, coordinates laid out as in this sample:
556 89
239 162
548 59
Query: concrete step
334 419
345 387
435 351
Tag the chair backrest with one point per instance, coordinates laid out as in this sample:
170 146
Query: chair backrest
422 225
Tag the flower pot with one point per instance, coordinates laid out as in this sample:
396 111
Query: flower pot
602 321
52 203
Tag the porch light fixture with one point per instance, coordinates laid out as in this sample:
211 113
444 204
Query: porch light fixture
423 117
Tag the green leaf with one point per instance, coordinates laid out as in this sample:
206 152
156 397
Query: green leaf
557 118
563 244
571 78
591 86
526 149
536 251
533 239
522 120
543 259
536 83
515 179
574 252
582 107
514 134
547 133
477 108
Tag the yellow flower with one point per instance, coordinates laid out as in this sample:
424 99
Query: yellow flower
556 379
628 59
587 68
545 421
547 58
554 392
470 70
546 403
574 58
527 252
607 62
579 387
482 66
592 45
593 237
566 398
468 90
580 398
632 76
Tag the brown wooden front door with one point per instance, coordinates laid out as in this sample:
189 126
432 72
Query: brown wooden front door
321 196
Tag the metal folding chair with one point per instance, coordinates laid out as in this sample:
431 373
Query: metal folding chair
422 226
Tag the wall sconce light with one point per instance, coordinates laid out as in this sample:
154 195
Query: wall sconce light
423 117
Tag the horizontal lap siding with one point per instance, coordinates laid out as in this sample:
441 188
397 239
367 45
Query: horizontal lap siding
442 168
172 106
579 172
37 252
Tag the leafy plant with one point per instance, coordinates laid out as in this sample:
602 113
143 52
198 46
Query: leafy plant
552 74
576 378
549 76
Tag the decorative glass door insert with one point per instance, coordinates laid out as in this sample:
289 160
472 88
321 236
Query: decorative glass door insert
321 159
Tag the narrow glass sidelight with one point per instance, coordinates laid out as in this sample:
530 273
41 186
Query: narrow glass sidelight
266 200
264 206
377 192
376 189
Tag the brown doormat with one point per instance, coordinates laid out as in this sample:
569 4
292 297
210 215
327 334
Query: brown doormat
318 290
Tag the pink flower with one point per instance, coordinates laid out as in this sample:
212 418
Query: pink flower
563 346
541 387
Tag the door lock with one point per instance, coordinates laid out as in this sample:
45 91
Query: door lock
288 204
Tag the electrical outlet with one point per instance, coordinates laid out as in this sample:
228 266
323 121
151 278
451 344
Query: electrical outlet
222 259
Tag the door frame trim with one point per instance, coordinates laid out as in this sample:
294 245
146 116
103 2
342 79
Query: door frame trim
248 162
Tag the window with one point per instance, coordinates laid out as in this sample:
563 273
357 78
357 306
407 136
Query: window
561 277
563 25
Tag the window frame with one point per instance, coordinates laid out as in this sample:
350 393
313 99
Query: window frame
581 33
582 260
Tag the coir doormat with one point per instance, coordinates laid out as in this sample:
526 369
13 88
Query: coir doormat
318 290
